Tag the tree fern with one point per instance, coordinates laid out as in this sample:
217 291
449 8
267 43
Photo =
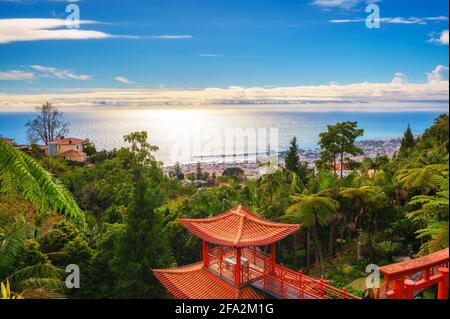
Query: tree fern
21 173
11 245
425 179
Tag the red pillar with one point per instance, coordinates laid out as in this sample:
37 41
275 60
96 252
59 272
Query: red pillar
443 284
205 254
408 291
426 274
398 286
273 255
238 267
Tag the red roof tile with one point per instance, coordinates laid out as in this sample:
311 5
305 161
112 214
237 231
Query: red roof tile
239 228
194 282
73 153
68 141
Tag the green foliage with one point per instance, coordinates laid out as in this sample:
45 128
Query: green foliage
23 265
144 243
344 275
21 173
235 172
177 172
60 234
293 164
408 142
89 149
387 249
31 254
338 141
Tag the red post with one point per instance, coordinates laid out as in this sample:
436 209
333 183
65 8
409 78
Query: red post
443 284
238 267
344 290
426 274
408 291
205 254
273 254
398 287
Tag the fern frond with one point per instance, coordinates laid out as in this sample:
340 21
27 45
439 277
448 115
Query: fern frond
20 172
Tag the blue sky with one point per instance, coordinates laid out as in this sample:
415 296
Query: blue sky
320 50
233 42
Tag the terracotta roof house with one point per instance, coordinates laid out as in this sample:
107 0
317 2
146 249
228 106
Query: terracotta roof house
69 148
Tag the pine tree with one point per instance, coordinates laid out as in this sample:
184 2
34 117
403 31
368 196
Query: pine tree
292 160
293 164
199 173
408 142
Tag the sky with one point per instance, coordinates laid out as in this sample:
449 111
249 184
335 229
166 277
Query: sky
194 52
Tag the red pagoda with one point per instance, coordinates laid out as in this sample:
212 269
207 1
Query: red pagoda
235 267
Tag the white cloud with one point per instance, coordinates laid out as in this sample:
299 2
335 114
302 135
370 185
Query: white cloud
60 74
439 38
15 75
396 20
124 80
208 55
397 95
333 4
172 37
438 75
399 78
33 29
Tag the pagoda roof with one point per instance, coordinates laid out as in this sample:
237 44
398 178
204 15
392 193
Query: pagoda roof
239 227
195 282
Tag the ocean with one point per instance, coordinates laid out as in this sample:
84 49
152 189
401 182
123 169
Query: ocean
189 135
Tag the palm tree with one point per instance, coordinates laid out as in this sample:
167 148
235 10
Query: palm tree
375 163
361 197
312 211
20 173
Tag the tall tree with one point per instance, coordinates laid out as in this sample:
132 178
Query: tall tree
47 126
292 161
198 172
177 172
408 142
338 141
312 211
361 197
144 244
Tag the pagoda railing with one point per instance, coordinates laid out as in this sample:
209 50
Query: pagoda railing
275 279
416 280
